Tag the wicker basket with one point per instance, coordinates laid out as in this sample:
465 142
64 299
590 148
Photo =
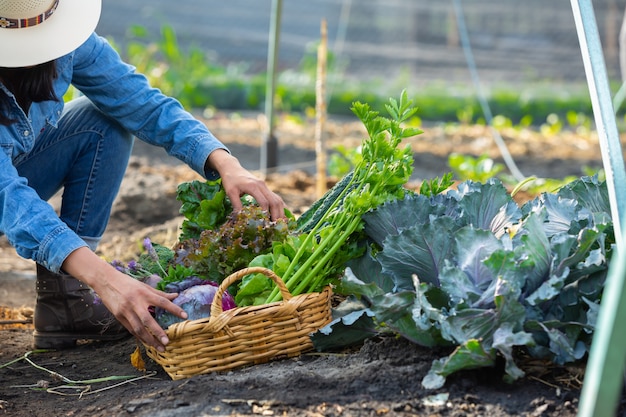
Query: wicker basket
244 335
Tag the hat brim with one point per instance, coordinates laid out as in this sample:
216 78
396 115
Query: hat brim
69 27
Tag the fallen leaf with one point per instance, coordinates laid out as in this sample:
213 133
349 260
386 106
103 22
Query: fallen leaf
137 360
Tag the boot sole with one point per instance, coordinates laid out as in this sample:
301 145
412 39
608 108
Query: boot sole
55 341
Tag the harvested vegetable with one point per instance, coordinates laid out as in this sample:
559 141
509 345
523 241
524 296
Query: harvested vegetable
219 252
204 205
332 229
195 299
471 269
307 254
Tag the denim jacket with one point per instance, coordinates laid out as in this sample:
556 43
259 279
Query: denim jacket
96 70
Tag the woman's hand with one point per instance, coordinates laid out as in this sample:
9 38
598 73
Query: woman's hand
126 298
238 181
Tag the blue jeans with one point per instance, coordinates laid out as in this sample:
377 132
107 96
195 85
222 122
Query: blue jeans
86 155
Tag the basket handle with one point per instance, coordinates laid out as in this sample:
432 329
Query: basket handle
216 305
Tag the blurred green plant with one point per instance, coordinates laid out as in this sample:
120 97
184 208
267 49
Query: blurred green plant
479 169
465 115
581 123
550 185
187 75
197 82
342 160
553 125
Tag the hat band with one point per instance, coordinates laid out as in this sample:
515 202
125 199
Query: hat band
9 23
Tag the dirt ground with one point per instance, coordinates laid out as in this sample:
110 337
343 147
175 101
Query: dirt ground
379 378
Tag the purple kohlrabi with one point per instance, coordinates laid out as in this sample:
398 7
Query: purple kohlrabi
196 301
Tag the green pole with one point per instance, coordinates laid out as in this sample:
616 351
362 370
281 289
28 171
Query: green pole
604 373
604 114
269 148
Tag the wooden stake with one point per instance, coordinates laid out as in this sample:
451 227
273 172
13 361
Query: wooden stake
320 112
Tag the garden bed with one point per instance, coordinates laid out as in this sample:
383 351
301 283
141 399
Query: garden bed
380 377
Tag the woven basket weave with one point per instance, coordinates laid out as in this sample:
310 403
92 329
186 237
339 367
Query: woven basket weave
244 335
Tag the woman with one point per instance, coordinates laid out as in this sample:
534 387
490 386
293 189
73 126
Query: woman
83 147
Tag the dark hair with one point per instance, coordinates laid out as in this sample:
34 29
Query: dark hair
28 85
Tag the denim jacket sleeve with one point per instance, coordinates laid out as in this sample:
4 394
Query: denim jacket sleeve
125 95
31 225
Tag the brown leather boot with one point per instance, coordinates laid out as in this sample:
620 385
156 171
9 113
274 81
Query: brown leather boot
67 311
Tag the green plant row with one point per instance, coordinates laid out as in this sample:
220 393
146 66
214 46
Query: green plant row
240 94
190 76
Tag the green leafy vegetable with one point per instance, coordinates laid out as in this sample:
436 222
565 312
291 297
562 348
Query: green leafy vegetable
378 177
475 169
309 219
214 241
204 205
175 273
435 186
246 234
472 269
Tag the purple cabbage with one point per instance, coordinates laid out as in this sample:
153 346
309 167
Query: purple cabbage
196 301
152 280
180 286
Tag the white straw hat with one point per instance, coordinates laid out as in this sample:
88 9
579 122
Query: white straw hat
36 31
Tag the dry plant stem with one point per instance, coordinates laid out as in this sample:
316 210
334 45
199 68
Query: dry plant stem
544 382
26 358
21 358
87 388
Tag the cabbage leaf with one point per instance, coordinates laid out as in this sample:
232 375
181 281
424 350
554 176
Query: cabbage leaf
472 269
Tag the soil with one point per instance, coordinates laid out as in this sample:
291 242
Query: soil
381 377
